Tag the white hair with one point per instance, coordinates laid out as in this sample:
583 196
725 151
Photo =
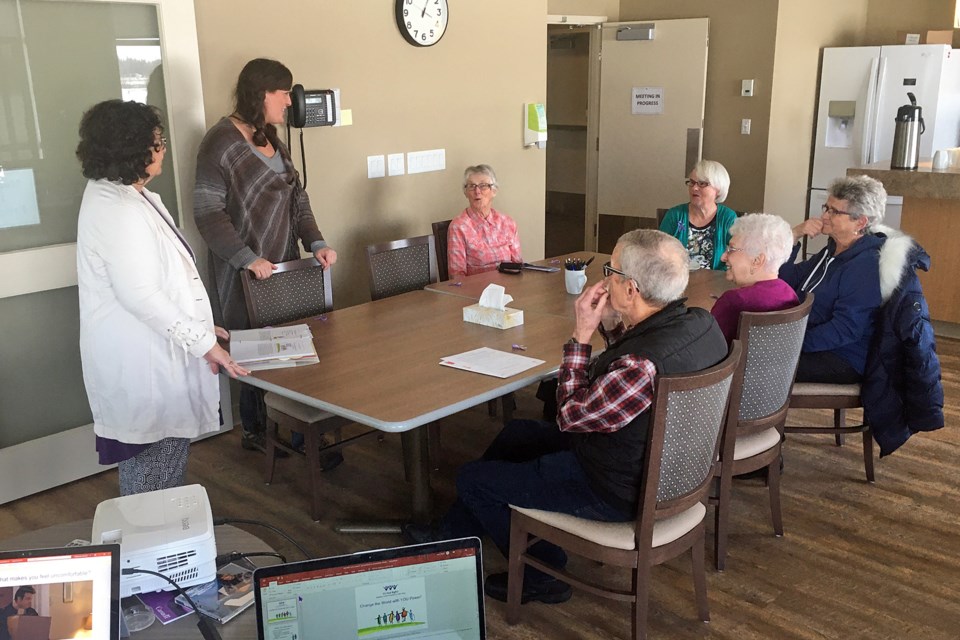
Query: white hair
714 173
658 264
481 170
865 197
767 234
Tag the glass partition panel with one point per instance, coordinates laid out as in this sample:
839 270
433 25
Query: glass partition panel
56 60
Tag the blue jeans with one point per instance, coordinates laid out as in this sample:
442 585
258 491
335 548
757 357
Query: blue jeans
529 464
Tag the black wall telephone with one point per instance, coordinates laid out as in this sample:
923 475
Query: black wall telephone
314 108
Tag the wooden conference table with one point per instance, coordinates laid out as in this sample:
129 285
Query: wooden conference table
228 538
379 361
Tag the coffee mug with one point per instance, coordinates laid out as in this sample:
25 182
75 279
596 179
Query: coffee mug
574 279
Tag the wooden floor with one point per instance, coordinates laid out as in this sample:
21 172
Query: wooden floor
858 560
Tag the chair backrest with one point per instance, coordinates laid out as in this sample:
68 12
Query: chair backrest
771 350
661 214
686 422
440 242
297 289
402 265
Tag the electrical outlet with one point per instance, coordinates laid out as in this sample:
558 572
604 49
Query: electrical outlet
745 126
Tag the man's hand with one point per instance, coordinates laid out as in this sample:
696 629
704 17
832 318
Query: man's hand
810 228
590 308
262 268
325 256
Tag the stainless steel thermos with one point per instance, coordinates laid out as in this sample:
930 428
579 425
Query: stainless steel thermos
906 136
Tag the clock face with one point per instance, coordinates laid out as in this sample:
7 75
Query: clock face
422 22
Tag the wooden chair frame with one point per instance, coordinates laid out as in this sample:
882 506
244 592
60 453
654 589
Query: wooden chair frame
440 244
643 556
839 405
735 427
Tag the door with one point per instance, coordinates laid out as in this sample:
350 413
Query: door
845 112
652 90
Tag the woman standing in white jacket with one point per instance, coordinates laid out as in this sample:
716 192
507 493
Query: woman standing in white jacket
147 340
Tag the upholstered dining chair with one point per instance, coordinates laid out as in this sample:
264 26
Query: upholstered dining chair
298 289
401 265
440 242
838 398
686 423
752 438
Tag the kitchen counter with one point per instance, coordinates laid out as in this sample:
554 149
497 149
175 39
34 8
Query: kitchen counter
931 215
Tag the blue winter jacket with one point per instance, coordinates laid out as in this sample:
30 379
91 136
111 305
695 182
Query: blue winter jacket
847 296
901 389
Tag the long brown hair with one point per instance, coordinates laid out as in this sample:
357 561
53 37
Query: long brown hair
257 78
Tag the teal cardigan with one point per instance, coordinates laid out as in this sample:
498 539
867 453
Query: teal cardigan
676 222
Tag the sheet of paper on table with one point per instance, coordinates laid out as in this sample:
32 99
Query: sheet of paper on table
491 362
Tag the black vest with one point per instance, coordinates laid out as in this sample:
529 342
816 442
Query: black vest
676 340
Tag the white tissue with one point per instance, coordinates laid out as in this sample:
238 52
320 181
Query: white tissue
495 297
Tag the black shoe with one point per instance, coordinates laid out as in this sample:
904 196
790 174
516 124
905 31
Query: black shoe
253 441
549 591
414 533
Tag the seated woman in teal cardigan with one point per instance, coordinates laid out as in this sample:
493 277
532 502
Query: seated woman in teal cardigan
703 225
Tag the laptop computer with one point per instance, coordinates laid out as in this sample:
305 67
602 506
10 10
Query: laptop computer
432 590
87 577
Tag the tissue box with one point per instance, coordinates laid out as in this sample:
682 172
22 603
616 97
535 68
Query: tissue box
493 317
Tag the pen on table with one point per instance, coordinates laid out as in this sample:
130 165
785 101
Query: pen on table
455 284
587 263
518 347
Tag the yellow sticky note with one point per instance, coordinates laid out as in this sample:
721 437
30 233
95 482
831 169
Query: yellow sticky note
346 117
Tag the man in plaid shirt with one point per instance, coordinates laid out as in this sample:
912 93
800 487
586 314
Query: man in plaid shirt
590 462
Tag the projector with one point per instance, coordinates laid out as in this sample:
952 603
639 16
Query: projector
168 531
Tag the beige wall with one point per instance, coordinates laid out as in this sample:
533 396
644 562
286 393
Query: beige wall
886 17
801 34
465 95
742 39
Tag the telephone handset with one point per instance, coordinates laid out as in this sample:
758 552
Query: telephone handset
314 108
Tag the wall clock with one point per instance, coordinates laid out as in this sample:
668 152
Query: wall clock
422 22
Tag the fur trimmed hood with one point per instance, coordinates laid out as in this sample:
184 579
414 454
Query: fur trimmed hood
898 253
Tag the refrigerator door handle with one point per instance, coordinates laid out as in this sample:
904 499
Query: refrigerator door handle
866 144
881 86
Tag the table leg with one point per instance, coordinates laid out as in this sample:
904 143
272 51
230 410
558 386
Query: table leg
416 460
417 456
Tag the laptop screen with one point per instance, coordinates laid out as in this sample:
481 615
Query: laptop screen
422 591
73 592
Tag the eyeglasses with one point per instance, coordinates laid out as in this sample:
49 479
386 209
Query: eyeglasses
731 249
833 211
483 187
700 183
160 146
608 271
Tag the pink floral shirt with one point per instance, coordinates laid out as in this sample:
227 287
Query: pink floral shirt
476 244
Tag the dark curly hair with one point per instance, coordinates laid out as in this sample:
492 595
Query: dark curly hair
257 78
116 140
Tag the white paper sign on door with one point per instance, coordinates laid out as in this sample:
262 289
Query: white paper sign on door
647 101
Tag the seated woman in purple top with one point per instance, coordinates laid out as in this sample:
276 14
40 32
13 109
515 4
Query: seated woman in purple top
759 244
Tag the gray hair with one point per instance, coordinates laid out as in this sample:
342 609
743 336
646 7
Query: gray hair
767 234
483 170
658 264
865 196
714 173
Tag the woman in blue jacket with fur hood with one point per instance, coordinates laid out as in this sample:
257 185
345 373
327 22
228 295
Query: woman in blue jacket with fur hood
845 278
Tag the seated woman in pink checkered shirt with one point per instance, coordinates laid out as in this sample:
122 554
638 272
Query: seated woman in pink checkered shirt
480 238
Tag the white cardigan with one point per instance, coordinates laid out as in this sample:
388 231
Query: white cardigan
145 321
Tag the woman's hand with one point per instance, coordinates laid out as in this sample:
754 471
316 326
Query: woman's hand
218 357
325 256
262 268
810 228
222 334
590 308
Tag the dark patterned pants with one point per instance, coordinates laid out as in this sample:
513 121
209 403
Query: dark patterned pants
159 466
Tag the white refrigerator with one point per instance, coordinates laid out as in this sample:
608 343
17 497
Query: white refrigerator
861 89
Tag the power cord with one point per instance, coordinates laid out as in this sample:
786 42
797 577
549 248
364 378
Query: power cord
206 629
227 558
220 521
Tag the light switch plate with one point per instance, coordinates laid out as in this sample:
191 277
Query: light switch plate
375 168
395 164
745 126
746 88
